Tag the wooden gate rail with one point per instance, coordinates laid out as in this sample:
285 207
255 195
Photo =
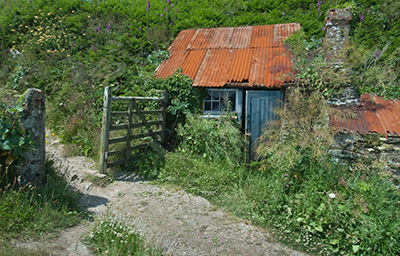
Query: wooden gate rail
157 136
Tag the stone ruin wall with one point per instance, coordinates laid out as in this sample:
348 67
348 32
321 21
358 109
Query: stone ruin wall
385 152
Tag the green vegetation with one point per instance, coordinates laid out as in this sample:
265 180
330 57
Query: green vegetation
13 141
73 49
115 236
31 212
297 190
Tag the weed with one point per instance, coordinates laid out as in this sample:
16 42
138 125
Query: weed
115 236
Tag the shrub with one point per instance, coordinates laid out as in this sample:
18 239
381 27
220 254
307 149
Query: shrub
301 134
217 140
14 142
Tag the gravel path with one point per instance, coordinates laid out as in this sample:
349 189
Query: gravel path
177 222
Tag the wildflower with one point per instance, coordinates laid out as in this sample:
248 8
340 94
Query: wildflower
286 175
161 15
108 28
362 17
53 134
148 6
127 34
378 54
169 2
283 13
172 5
97 29
176 10
331 195
140 28
166 9
157 14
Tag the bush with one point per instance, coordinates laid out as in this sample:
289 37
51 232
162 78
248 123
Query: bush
216 140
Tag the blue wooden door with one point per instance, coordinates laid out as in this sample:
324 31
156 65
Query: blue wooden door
260 107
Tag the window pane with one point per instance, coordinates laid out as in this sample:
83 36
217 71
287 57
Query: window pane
232 100
216 106
216 95
207 105
208 97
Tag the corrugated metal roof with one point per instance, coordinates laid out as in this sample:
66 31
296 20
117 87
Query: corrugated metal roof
373 114
214 57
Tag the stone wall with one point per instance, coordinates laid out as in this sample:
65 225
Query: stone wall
382 151
337 29
32 170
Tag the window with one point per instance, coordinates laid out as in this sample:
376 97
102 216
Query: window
219 100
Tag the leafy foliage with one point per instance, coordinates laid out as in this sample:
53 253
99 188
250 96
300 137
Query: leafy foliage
14 142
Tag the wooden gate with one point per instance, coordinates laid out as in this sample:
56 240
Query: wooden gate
131 129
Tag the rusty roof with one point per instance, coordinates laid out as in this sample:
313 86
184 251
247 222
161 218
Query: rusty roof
247 56
373 114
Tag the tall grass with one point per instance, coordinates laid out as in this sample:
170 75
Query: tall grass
30 212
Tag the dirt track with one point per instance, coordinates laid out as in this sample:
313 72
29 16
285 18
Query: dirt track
177 222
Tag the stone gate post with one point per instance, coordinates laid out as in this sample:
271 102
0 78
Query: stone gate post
32 169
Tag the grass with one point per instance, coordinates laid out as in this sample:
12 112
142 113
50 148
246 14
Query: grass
113 235
361 219
30 212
